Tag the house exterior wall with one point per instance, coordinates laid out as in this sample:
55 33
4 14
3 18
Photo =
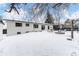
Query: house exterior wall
1 27
50 27
46 27
12 29
37 29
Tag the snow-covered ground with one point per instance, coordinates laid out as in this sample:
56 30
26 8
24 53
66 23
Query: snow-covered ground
40 44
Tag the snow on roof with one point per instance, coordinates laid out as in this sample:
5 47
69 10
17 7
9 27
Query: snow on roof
25 21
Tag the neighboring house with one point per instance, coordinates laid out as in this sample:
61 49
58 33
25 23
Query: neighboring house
68 25
14 27
58 27
77 24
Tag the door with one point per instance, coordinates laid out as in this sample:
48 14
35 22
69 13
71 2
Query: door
43 27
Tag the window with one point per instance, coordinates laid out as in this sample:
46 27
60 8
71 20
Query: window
18 24
4 31
43 27
35 25
48 27
27 32
27 24
18 32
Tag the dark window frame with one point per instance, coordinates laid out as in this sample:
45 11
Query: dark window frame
18 32
17 24
4 31
35 26
27 24
48 27
43 27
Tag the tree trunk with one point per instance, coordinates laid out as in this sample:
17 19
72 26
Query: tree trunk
72 29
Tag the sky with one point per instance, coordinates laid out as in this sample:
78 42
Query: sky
73 8
73 12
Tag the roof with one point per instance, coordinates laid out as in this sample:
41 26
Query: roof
1 22
25 21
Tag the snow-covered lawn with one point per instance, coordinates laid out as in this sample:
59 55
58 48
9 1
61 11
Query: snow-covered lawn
40 44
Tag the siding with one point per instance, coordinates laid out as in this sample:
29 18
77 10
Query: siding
1 25
12 29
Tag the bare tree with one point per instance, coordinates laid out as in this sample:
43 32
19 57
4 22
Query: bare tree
38 9
15 7
49 19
